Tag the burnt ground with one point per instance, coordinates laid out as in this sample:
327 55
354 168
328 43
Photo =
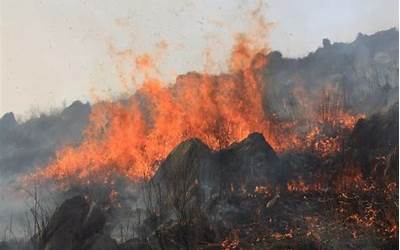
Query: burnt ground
320 220
248 197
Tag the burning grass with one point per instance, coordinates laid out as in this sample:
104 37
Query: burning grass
310 218
329 208
130 138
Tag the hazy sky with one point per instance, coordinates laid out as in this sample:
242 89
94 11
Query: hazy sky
54 52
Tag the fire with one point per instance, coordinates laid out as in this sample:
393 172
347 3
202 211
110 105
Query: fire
326 137
131 137
301 186
281 236
325 114
232 242
267 190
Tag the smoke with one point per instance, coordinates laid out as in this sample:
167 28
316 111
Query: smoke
265 93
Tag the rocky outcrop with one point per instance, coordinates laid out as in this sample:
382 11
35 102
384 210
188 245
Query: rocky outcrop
76 225
8 122
362 76
245 164
249 163
193 179
32 143
375 145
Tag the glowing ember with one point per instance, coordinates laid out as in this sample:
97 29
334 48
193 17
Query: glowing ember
300 186
281 236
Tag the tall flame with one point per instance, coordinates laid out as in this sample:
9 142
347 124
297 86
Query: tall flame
130 137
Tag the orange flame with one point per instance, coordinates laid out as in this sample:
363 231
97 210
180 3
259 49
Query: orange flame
131 139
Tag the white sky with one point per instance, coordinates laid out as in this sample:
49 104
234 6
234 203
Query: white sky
55 52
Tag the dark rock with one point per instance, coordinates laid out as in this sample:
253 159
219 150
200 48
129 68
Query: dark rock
326 42
248 163
8 121
75 225
375 145
190 163
193 176
244 164
63 231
